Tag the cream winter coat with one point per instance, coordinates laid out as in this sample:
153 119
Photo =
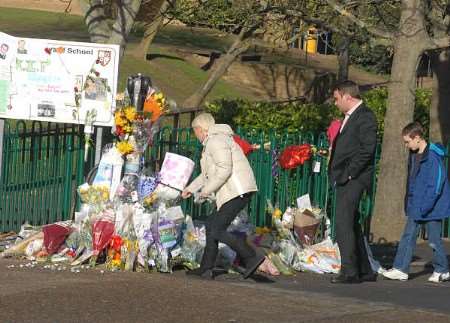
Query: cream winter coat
225 169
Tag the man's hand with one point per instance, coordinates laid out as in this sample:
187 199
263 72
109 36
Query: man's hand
186 194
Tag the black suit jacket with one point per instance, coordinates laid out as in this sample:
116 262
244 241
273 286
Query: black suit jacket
353 150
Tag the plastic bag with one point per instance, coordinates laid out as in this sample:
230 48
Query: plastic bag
319 258
34 247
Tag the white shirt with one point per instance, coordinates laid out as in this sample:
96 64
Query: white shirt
348 114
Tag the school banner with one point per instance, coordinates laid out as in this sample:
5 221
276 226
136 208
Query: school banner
57 81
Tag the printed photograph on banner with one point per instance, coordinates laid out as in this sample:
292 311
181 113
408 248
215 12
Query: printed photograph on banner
21 49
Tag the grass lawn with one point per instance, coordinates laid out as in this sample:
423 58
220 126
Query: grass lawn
176 77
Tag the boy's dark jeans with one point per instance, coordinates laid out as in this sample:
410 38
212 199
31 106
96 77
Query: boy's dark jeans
407 245
216 231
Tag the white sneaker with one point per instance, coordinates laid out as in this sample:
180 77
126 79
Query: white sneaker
439 277
395 274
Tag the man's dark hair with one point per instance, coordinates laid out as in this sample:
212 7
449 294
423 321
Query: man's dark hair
348 87
413 129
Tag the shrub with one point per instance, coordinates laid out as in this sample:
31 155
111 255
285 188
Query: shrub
304 117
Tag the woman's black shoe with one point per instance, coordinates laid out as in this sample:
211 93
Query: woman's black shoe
372 277
207 274
251 267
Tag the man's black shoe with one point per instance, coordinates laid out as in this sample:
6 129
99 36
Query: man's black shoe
207 274
341 279
372 277
252 265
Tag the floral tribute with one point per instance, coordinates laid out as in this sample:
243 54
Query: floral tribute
297 155
134 129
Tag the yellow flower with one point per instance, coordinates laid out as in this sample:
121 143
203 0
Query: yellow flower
277 213
130 113
119 119
124 147
128 128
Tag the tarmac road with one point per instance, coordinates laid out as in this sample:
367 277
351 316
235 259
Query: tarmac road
42 295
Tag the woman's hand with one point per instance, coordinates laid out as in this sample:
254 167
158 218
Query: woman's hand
186 194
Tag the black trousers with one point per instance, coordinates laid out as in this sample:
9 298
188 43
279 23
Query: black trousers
216 231
349 235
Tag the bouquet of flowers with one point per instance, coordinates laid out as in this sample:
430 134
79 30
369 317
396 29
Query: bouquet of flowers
294 156
94 195
135 129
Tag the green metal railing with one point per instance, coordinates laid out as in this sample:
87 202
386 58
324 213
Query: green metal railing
280 187
41 168
42 164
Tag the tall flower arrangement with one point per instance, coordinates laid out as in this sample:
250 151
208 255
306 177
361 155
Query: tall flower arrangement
134 129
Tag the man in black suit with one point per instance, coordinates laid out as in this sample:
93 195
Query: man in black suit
351 171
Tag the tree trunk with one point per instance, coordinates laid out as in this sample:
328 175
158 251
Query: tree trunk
440 101
95 19
97 23
239 46
152 28
343 59
389 217
126 15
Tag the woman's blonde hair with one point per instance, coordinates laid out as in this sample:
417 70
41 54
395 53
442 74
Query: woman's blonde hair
204 121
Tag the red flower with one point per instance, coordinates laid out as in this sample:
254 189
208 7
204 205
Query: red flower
119 131
294 156
97 73
48 50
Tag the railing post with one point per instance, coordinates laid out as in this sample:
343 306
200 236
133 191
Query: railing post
2 131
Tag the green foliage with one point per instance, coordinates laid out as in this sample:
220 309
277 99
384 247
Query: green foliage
376 100
220 14
291 117
294 117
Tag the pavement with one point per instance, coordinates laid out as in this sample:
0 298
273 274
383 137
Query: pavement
43 295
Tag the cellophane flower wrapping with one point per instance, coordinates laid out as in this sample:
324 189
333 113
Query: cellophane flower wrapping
55 234
127 191
143 227
102 231
94 195
114 259
294 156
193 244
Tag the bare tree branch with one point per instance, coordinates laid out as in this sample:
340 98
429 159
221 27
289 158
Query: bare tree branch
375 31
438 43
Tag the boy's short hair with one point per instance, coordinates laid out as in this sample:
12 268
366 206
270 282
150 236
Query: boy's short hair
413 129
204 121
348 87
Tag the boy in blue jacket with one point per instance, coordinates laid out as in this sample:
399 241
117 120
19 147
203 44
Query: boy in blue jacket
427 201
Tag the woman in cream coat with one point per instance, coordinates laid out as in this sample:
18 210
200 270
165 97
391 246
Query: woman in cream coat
226 174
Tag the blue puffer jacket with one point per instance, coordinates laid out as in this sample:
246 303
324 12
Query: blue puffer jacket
428 191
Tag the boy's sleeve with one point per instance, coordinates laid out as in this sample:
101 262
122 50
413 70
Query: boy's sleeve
433 187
